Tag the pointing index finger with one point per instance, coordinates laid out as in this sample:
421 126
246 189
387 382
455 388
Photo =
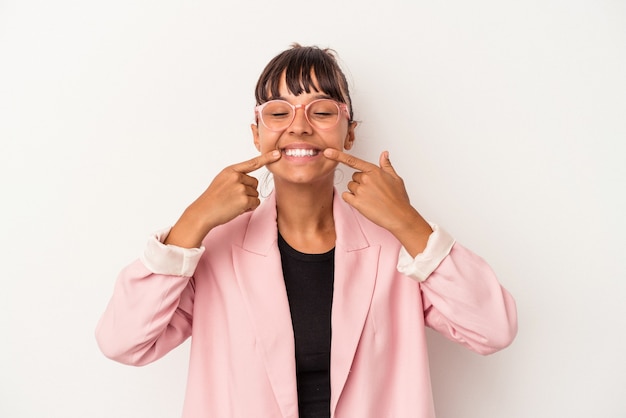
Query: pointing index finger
347 159
257 162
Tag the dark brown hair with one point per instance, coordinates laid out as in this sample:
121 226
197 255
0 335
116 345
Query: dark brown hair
298 63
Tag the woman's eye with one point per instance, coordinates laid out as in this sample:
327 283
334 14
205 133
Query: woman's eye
323 115
279 114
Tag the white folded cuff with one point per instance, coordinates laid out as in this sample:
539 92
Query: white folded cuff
438 247
168 259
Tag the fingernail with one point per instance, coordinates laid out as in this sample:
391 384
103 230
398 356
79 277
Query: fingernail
275 153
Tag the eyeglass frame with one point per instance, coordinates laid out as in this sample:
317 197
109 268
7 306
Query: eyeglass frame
342 107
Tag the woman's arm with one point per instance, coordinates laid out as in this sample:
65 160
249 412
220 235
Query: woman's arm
150 311
461 295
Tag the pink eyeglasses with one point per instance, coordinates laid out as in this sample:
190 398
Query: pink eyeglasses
278 115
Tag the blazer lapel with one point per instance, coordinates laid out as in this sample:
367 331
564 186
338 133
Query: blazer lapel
356 265
259 275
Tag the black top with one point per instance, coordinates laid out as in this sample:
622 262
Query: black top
309 282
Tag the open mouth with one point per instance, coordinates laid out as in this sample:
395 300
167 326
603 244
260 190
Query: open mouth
300 152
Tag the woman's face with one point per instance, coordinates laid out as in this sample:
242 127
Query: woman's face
301 144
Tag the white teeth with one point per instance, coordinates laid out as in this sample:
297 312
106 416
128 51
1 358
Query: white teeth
301 152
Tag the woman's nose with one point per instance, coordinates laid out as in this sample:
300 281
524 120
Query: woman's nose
300 124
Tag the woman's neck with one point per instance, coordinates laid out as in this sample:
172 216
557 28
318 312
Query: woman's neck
305 217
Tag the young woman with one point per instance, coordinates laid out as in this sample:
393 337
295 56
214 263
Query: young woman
313 303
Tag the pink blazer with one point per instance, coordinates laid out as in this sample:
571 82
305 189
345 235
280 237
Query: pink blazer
235 308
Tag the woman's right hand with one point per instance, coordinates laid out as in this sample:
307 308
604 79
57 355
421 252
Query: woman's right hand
231 193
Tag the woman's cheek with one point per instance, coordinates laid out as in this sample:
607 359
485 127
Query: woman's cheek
268 143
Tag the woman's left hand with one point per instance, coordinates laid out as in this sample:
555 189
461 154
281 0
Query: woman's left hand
378 192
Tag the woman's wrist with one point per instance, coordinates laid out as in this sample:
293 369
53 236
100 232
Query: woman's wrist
189 231
413 232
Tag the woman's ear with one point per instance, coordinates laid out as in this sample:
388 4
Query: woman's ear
349 141
255 136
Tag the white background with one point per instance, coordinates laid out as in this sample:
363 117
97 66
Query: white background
506 119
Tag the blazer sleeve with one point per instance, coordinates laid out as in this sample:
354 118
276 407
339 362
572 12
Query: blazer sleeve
464 301
462 297
150 311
